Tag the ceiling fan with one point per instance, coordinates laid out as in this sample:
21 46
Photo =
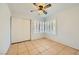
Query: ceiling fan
41 7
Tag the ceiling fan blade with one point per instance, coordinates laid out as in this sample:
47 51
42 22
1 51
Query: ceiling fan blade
44 12
35 4
47 6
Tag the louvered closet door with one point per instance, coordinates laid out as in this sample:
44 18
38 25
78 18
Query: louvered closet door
20 30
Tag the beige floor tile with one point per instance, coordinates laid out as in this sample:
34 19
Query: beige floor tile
49 52
36 45
53 50
68 51
77 53
46 47
22 49
34 52
12 50
23 52
12 53
41 49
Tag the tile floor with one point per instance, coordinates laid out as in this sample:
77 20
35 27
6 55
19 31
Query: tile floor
41 47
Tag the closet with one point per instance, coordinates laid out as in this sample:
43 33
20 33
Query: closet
20 30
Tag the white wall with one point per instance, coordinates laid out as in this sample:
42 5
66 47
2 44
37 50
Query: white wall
20 30
67 27
4 28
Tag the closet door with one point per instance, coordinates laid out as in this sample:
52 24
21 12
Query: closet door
20 30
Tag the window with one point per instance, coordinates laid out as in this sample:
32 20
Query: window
41 26
44 27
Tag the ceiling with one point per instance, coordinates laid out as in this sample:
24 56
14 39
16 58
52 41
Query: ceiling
22 10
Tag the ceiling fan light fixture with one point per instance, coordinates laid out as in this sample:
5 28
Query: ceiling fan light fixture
41 7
